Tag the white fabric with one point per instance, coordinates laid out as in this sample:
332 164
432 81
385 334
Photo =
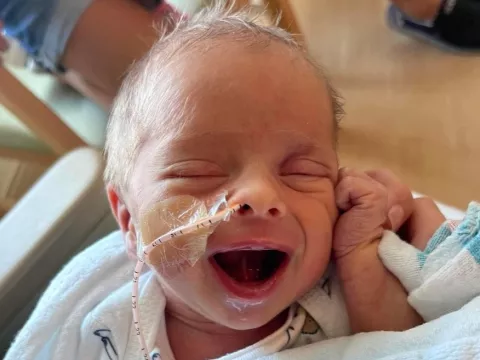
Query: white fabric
446 274
89 303
57 328
453 336
86 314
62 213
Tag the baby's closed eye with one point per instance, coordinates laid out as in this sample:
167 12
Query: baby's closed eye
193 169
193 177
304 167
306 175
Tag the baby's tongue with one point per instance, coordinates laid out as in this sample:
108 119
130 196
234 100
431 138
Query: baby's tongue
243 265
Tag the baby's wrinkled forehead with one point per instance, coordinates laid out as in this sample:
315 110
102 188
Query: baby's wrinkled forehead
219 83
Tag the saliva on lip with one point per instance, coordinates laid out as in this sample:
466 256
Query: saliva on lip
242 305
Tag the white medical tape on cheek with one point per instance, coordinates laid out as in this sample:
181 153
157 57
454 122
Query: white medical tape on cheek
197 222
174 213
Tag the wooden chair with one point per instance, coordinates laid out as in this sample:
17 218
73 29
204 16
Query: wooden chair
42 121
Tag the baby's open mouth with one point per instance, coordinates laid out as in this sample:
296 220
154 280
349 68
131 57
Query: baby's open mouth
249 273
250 265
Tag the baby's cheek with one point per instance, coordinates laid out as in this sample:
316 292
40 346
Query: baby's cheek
316 258
330 203
320 240
173 256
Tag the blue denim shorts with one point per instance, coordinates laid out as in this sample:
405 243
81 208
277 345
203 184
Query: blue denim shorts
43 27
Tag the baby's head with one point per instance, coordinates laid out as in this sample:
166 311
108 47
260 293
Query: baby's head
221 104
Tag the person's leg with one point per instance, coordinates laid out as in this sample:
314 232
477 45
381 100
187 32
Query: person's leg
108 37
87 89
94 88
96 39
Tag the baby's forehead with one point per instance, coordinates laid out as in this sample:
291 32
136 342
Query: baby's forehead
229 80
222 58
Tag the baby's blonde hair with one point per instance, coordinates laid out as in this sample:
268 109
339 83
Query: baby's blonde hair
147 89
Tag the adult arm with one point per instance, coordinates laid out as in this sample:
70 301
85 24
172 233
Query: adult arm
92 41
108 37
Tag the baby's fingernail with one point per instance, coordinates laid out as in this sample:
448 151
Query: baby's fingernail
395 215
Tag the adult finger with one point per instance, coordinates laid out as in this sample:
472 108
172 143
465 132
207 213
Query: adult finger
426 218
400 199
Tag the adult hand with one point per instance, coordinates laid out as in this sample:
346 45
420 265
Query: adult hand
419 9
424 220
415 220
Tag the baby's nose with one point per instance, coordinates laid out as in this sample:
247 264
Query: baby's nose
259 201
246 209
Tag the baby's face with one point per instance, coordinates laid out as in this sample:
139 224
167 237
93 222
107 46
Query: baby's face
262 129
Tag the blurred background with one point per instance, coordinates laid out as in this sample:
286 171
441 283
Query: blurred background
411 107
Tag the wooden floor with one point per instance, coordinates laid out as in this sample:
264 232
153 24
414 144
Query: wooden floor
410 107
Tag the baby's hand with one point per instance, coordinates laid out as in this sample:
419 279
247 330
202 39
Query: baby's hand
371 202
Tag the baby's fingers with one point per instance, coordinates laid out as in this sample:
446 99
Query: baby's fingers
356 188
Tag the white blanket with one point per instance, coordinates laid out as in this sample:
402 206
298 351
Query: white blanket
87 308
453 336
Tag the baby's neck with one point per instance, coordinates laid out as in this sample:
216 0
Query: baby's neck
205 340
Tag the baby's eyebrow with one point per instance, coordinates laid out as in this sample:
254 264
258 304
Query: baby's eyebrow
304 149
302 143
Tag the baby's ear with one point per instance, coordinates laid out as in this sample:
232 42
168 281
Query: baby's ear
124 220
130 239
119 209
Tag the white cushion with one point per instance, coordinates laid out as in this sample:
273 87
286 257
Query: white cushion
63 212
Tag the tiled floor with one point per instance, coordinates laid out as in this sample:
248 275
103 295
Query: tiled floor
410 107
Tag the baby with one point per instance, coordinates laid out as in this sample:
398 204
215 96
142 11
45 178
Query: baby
222 105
